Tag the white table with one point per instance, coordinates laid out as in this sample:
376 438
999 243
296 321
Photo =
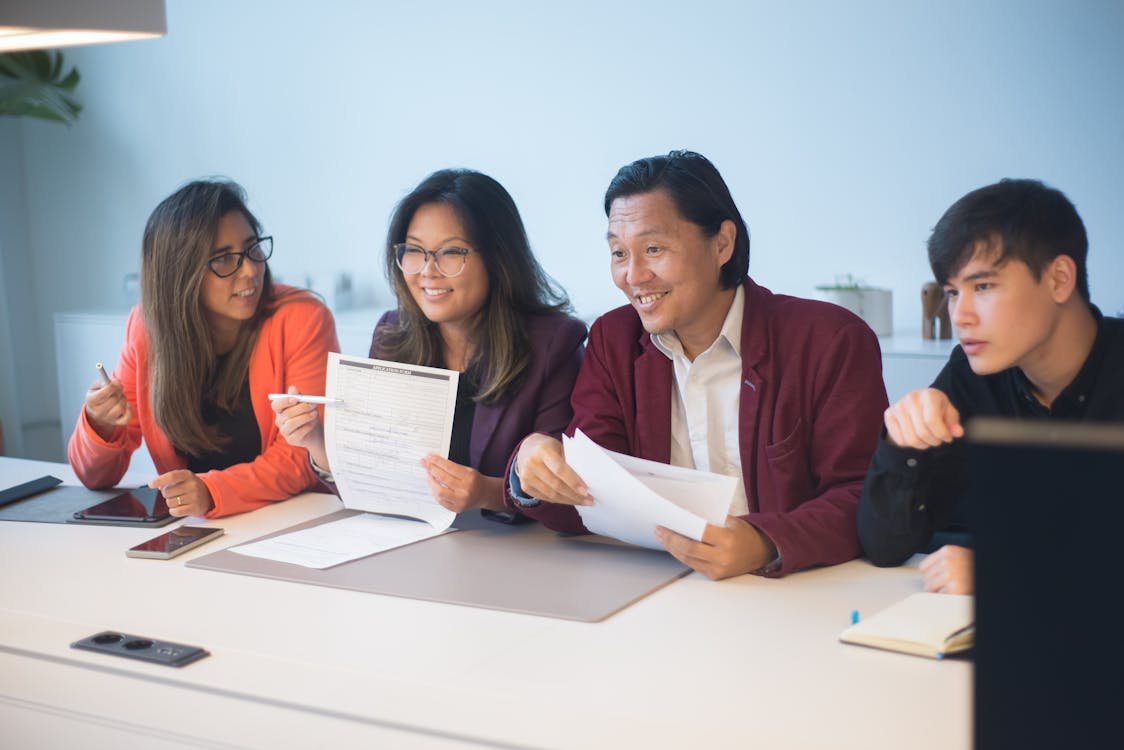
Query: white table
749 662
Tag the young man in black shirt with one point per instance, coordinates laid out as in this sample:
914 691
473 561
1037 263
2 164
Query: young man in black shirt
1011 258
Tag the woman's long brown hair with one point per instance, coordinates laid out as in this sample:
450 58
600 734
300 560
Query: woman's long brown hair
182 360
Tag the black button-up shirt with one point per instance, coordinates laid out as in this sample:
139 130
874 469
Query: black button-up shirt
911 500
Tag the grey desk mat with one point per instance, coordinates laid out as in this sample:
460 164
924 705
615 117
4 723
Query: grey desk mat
56 505
523 568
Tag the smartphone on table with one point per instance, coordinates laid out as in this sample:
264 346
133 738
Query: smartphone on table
174 542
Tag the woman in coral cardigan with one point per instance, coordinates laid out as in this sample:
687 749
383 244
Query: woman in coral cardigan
210 339
471 297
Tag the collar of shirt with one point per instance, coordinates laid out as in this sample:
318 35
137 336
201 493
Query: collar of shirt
1071 402
731 333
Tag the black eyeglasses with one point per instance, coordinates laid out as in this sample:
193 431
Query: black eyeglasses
228 264
449 261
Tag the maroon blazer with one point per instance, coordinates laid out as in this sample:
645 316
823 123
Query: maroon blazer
811 410
542 401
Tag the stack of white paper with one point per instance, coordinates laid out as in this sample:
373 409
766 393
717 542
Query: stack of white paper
632 496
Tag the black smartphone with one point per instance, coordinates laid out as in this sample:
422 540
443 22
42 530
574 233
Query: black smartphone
174 542
140 507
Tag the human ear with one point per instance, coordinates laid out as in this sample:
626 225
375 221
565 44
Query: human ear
724 241
1061 274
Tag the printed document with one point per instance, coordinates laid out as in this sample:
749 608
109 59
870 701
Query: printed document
631 496
391 416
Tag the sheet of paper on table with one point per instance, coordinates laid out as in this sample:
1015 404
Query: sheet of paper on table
337 542
633 495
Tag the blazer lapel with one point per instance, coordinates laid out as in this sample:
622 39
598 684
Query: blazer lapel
653 374
754 349
484 421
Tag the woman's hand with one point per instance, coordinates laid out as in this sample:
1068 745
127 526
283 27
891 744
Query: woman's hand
107 408
185 493
459 488
301 427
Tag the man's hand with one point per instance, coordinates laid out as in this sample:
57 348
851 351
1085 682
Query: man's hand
185 493
544 474
949 570
727 551
923 419
459 488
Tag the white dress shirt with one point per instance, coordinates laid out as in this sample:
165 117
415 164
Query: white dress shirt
705 401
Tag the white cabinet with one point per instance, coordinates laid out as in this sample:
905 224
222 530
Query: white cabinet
911 362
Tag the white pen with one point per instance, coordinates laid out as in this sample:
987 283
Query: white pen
104 374
306 399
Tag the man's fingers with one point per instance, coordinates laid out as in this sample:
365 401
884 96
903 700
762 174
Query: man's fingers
547 486
550 487
933 421
952 421
903 433
557 466
695 555
715 535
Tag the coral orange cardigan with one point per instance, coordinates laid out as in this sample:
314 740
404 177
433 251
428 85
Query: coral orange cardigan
292 349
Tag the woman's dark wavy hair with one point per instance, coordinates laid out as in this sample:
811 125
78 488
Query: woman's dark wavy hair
1021 219
700 194
517 284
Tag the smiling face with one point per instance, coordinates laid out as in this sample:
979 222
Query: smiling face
669 269
227 302
1003 316
452 302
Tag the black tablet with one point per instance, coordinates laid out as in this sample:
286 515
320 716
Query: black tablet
140 507
27 489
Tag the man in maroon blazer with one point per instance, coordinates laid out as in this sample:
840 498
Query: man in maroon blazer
706 369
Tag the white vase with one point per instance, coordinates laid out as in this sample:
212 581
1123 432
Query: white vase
874 306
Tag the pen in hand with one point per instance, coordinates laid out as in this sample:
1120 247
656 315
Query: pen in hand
104 374
303 398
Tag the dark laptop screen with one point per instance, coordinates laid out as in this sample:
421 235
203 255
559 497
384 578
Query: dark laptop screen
1047 516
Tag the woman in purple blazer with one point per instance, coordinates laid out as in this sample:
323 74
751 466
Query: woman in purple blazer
472 298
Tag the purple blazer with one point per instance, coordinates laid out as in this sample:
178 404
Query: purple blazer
542 403
809 417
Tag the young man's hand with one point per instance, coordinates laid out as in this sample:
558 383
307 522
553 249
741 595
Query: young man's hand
949 570
923 419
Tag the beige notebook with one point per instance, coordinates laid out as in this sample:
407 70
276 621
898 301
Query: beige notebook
924 624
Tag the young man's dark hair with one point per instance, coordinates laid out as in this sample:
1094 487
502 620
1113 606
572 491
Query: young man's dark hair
1021 219
700 194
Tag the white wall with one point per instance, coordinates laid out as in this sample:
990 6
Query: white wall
843 129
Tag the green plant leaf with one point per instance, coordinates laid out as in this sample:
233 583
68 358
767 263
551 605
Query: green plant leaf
32 85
